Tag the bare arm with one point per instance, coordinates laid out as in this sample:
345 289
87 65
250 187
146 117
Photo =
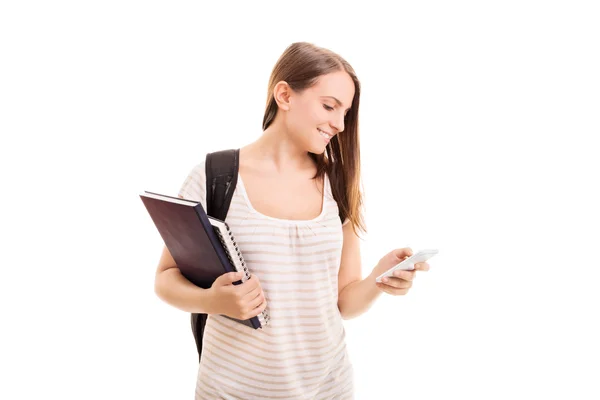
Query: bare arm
174 289
355 295
242 301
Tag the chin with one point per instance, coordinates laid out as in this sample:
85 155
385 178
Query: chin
316 145
317 149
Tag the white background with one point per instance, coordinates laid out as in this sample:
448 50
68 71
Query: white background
479 125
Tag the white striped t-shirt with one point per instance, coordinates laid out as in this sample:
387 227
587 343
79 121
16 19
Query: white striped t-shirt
302 353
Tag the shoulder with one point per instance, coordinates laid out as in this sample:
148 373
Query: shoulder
194 184
198 171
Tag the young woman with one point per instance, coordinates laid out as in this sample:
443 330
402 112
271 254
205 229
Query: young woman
296 185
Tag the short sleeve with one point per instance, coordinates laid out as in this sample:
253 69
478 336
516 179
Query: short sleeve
194 185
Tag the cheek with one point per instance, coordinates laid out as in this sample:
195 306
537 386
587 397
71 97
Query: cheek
318 114
306 117
312 109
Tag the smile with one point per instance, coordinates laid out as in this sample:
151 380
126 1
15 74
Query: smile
325 134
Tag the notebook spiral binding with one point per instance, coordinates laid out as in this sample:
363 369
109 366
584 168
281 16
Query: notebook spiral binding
237 260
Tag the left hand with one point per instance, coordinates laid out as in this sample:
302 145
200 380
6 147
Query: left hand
401 282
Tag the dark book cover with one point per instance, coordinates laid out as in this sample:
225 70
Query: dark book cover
192 241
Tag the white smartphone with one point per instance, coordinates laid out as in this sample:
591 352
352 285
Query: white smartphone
408 264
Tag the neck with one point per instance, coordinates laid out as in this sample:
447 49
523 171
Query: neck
277 150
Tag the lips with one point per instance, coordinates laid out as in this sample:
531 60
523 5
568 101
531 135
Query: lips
325 135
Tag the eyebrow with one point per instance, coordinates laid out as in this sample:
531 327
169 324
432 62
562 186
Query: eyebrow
337 101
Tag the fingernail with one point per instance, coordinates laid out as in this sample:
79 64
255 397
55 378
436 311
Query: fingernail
385 280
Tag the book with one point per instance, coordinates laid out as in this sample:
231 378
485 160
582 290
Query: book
203 247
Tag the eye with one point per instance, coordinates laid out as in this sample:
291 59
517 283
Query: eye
325 106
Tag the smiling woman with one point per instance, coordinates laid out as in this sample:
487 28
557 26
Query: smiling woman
313 91
295 212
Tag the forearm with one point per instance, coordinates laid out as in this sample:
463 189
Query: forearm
356 298
174 289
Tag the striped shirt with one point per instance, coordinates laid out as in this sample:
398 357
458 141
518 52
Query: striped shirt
301 353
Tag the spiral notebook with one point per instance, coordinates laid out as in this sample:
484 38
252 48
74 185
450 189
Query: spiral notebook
203 247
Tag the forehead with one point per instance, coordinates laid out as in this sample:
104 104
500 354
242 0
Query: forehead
336 84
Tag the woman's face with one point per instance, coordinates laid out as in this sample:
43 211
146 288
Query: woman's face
317 113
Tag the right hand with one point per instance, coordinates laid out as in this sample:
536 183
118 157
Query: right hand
242 301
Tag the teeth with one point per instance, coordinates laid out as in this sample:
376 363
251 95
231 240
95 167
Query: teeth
325 135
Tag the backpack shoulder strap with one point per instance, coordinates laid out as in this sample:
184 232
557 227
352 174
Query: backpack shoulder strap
222 169
221 177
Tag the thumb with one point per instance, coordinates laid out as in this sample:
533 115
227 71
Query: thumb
228 278
401 254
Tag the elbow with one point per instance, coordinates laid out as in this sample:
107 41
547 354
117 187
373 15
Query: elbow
344 313
346 316
156 289
162 280
159 287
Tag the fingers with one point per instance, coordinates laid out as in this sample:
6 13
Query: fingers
254 300
401 281
248 286
403 253
256 305
422 266
397 283
228 278
405 275
252 295
259 309
254 280
392 290
258 301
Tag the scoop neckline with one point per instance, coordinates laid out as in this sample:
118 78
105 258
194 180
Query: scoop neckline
287 221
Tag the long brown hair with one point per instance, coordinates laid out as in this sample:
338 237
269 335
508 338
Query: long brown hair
300 65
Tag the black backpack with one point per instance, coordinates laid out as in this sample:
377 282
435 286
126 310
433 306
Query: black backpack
221 177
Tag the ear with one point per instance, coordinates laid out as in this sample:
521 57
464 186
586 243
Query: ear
282 93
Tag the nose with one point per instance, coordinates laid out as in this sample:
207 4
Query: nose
338 122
